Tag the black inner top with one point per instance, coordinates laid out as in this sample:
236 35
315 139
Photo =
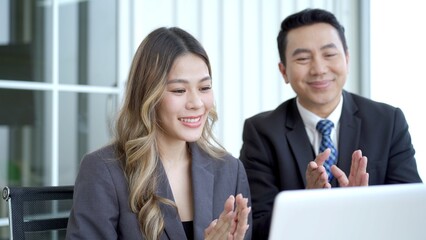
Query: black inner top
189 229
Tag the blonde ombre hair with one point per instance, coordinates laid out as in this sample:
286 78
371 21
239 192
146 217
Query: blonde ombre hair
137 126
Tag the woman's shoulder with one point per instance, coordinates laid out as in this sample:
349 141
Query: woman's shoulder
106 155
228 157
223 158
105 152
227 163
101 165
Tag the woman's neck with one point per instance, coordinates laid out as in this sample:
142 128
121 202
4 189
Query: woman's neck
173 152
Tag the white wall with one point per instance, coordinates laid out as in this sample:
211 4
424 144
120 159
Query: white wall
398 51
240 38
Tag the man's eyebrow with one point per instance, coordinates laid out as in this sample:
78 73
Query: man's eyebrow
186 81
299 51
305 50
330 45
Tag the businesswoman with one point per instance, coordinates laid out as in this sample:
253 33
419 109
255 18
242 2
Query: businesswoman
164 176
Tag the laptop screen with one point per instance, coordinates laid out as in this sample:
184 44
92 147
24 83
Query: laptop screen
389 212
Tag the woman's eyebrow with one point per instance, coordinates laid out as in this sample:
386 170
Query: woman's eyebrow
178 80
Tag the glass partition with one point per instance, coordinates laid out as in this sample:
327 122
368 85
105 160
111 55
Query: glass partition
58 89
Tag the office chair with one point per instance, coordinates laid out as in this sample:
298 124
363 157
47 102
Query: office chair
38 212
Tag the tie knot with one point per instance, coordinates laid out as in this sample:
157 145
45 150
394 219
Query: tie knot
325 126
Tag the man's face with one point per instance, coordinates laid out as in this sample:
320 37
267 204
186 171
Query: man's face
316 66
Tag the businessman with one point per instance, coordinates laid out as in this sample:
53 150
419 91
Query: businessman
326 136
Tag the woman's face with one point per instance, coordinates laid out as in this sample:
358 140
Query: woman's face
187 100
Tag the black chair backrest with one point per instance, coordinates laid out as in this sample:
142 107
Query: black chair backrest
37 209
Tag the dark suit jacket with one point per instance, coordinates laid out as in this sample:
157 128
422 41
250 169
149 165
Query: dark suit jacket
276 150
101 204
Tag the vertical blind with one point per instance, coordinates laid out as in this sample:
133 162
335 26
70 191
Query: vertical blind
240 38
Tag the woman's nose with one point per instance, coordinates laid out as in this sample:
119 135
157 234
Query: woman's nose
194 101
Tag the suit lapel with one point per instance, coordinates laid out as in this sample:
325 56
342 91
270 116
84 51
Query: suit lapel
298 139
173 227
349 131
202 186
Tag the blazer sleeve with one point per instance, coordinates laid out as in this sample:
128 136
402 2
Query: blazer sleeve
257 159
402 167
244 189
95 210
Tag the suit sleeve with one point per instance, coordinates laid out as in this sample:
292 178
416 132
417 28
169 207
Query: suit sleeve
402 166
95 211
243 187
262 176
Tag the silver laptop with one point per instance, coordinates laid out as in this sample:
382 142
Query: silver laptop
388 212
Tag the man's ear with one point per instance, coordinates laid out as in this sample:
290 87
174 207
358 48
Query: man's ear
347 57
283 71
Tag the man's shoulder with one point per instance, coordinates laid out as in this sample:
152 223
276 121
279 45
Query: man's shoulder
367 104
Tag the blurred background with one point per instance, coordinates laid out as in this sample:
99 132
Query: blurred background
64 63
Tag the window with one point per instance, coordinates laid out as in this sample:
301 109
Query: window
397 63
58 88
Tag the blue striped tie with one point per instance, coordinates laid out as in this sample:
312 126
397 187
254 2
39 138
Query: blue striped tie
324 127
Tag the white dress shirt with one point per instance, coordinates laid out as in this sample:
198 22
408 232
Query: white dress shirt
310 121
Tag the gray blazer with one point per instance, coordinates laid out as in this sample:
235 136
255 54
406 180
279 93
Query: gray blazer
101 197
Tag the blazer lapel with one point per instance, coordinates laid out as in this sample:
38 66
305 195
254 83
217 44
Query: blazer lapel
202 186
349 133
173 227
298 139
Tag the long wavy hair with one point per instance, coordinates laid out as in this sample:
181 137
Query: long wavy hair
137 125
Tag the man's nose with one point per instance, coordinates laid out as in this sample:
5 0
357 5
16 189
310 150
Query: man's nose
318 66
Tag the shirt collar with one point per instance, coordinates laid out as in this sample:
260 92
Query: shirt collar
310 119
